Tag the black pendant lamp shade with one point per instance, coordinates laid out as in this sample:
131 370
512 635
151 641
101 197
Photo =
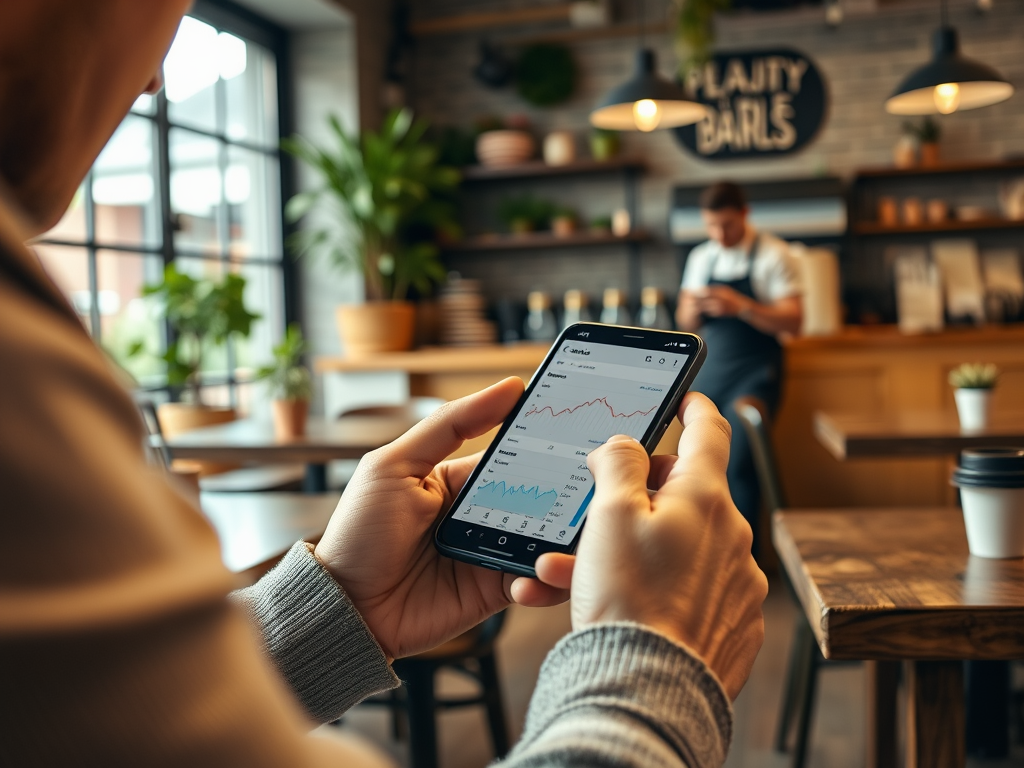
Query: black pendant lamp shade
948 83
646 102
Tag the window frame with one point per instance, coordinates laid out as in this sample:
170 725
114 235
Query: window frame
232 18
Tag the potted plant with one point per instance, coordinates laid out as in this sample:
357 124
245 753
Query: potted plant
927 134
525 213
695 30
563 222
604 144
601 225
388 200
290 385
973 384
203 314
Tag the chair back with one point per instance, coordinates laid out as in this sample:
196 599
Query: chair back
156 447
753 414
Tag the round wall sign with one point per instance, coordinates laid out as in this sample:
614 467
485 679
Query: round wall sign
760 104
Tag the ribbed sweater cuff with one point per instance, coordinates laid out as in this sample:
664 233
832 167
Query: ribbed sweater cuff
637 672
316 637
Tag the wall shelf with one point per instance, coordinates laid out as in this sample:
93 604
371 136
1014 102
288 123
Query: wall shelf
873 229
543 240
938 170
538 169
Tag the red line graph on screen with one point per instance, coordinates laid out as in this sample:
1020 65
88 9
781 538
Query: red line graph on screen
534 410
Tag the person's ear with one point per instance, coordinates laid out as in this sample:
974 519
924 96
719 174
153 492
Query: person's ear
155 84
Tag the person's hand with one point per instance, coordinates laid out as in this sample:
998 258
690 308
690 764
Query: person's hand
723 301
677 561
379 547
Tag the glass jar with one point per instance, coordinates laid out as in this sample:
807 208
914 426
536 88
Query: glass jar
653 313
540 322
614 311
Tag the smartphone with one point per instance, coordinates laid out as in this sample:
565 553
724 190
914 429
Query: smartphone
529 493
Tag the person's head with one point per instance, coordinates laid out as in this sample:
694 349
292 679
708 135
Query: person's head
69 72
723 206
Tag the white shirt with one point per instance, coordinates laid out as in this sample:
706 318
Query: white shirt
774 275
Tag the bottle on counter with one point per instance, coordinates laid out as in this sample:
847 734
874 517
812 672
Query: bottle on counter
653 313
540 322
615 311
577 308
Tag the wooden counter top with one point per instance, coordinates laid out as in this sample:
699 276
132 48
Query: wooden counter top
527 356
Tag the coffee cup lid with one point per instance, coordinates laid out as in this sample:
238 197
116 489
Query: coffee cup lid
990 468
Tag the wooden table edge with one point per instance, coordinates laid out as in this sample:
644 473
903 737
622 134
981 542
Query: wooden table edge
810 599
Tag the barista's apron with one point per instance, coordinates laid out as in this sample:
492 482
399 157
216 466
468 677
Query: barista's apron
741 359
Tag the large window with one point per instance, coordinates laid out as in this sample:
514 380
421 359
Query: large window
191 177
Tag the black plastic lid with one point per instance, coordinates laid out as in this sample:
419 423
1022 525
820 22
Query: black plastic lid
990 468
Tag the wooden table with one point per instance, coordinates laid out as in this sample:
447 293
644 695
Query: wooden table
249 441
910 433
898 585
256 529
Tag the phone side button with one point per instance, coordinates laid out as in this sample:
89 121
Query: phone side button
492 566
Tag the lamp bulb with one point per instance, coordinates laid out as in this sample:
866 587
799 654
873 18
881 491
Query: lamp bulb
646 114
947 98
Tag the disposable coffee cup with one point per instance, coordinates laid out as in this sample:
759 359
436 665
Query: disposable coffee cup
991 483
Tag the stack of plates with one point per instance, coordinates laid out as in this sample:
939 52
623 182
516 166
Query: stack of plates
462 315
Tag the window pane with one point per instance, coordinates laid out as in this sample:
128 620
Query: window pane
126 318
71 227
251 186
250 85
195 191
191 72
124 187
264 295
214 358
145 104
69 268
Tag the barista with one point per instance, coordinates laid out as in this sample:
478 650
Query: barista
740 290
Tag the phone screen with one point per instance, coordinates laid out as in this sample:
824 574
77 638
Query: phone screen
534 482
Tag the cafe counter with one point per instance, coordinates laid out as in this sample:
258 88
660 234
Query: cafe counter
864 369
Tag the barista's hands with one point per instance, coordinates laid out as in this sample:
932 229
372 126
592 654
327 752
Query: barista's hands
678 561
722 301
378 543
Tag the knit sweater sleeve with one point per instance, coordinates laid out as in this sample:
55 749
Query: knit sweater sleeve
622 695
315 636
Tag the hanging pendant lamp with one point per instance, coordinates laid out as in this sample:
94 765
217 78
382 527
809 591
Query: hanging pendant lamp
949 82
645 102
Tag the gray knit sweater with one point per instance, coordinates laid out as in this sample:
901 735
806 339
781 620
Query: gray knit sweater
610 695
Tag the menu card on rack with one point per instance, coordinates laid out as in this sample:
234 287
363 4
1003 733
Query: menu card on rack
961 273
918 291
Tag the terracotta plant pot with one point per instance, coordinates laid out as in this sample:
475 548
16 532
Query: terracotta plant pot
929 155
176 418
501 149
289 418
376 326
563 226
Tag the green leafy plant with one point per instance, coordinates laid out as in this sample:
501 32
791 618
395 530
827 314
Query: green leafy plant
203 314
287 377
926 132
525 213
974 376
695 30
601 223
387 200
545 74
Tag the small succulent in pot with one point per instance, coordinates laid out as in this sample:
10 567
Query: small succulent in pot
973 384
290 384
974 376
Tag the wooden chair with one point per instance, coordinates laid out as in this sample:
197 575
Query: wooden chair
805 659
470 654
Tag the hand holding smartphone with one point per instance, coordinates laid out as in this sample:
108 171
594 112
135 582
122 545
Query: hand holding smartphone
529 493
